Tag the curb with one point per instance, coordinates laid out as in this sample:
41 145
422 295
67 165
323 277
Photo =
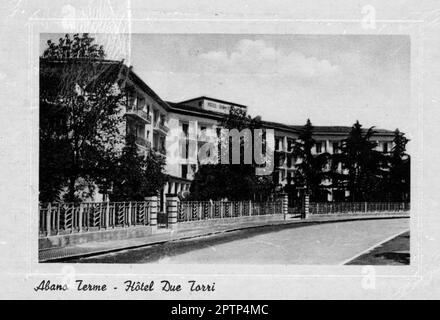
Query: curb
300 223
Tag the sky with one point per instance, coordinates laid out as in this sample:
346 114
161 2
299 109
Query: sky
331 79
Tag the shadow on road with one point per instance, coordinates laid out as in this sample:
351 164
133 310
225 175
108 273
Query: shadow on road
154 253
393 252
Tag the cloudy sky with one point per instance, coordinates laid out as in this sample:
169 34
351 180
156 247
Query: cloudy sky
331 79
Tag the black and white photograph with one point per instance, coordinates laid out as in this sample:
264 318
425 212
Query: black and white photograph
199 150
225 149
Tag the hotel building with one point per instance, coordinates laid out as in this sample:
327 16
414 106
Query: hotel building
176 130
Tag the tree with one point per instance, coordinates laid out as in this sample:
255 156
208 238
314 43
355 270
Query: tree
233 181
80 99
137 176
363 167
399 172
80 47
154 178
309 172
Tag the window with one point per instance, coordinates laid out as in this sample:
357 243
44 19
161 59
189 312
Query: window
131 98
184 148
140 103
263 148
185 127
318 147
290 144
202 133
277 144
335 147
162 144
289 161
291 178
385 147
276 177
155 141
136 130
184 171
279 159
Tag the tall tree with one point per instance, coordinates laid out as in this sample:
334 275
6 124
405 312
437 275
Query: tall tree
135 175
363 167
233 181
154 177
399 172
80 99
310 171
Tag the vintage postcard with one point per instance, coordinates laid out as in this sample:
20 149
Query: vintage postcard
239 150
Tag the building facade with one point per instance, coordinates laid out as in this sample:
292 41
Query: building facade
177 130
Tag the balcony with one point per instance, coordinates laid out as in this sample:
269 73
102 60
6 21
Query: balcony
138 114
160 151
143 143
280 151
161 128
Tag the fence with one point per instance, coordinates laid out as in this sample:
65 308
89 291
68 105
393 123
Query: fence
62 218
357 207
204 210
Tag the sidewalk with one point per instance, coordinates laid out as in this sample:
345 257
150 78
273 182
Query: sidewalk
165 235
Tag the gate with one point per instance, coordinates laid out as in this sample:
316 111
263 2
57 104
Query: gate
295 208
162 219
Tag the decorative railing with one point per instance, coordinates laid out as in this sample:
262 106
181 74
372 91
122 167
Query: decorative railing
139 113
161 126
63 218
205 210
143 142
357 207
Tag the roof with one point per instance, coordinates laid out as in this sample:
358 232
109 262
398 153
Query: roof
216 100
190 110
280 126
57 72
183 108
113 68
136 79
341 130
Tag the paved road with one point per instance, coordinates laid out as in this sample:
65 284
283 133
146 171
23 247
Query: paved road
328 243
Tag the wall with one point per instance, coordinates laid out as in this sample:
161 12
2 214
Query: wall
100 235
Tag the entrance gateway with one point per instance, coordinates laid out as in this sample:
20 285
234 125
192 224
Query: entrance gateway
162 219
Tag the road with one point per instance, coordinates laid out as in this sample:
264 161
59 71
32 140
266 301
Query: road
326 243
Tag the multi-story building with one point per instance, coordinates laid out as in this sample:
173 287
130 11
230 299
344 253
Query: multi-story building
177 130
192 123
328 139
